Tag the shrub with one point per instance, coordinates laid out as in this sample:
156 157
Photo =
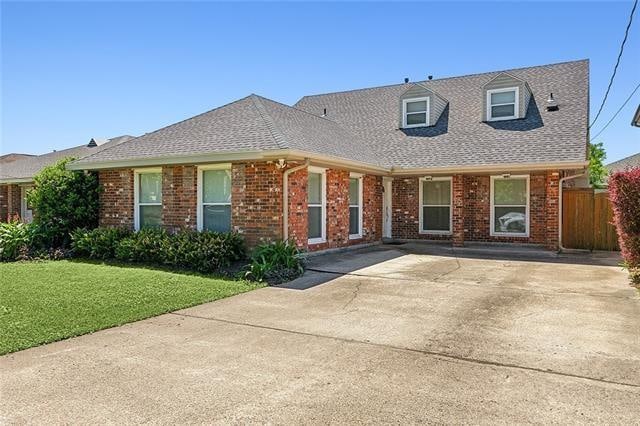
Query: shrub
149 245
624 193
63 200
204 251
14 240
275 262
99 243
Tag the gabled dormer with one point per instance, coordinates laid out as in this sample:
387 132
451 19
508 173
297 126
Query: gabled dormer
420 107
505 97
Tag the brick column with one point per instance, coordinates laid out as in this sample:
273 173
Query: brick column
552 205
179 197
458 211
14 209
116 198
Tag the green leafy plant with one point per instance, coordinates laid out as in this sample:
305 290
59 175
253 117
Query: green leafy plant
14 240
597 170
63 200
149 245
99 243
275 262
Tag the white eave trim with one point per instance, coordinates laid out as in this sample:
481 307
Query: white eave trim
491 168
16 180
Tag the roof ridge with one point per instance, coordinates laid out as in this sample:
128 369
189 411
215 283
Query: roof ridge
162 128
277 135
299 110
444 78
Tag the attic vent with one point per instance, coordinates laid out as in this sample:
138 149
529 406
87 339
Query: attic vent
430 77
324 112
406 79
552 105
92 143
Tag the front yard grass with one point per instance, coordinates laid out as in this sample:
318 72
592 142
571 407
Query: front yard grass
45 301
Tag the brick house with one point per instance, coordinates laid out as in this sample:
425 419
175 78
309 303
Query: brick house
473 158
17 172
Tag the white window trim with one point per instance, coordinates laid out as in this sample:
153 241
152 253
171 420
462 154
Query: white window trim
404 112
516 103
136 194
323 205
359 205
492 232
200 188
421 206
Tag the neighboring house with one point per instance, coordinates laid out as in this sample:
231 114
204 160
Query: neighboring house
17 172
626 163
636 118
472 158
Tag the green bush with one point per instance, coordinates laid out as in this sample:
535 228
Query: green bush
149 245
63 200
275 262
14 240
204 251
99 243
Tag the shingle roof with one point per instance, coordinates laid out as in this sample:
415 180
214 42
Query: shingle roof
252 123
460 138
624 164
362 125
29 165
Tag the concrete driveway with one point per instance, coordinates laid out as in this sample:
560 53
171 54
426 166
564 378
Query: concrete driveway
389 334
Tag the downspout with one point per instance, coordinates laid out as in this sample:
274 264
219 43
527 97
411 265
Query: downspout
285 198
561 182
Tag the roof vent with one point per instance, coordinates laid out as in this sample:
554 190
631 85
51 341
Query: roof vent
552 105
324 112
430 77
92 143
406 79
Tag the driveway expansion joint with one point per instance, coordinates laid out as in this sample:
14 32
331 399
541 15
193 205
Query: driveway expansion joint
434 354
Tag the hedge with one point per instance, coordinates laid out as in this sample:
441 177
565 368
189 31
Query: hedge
624 193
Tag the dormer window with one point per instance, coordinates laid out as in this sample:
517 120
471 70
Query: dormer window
415 112
502 104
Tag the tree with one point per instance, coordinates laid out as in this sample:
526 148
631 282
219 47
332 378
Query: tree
597 171
63 201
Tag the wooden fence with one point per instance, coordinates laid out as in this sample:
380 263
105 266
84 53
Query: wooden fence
586 220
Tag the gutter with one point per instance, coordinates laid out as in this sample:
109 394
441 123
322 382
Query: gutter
285 198
560 183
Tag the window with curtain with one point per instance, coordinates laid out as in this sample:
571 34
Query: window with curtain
316 205
149 200
355 207
510 205
436 205
216 200
502 104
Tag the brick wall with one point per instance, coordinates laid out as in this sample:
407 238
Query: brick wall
471 210
4 203
372 194
14 198
256 201
179 197
116 198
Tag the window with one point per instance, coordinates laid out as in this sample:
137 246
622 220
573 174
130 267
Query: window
415 112
26 211
214 198
502 104
316 205
435 206
355 206
510 205
148 198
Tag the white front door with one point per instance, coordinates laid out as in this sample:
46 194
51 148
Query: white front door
386 207
26 211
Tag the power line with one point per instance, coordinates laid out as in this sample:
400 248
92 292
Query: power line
615 69
617 112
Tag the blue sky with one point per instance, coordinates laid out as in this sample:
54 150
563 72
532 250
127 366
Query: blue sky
72 71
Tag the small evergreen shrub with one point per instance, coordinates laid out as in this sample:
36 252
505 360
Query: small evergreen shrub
98 243
624 193
149 245
275 263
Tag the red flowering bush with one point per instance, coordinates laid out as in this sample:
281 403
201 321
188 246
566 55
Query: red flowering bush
624 193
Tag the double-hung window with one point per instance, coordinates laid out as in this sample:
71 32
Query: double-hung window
355 206
214 198
510 205
415 112
502 104
148 198
317 205
435 209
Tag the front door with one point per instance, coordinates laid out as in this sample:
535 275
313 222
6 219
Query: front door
386 207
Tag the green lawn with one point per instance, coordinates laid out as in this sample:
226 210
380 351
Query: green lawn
41 302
